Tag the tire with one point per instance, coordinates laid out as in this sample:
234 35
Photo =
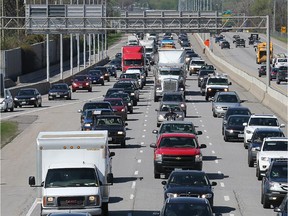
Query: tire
259 75
12 108
258 175
123 143
102 84
214 114
105 211
203 93
73 90
156 175
40 104
225 139
131 111
108 80
90 90
250 162
158 124
134 103
49 98
206 98
6 109
278 82
155 99
36 104
266 203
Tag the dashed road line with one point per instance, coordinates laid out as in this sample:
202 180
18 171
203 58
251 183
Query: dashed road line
142 143
210 144
222 184
136 172
133 184
143 136
216 161
205 131
226 198
131 196
207 137
141 151
139 161
213 152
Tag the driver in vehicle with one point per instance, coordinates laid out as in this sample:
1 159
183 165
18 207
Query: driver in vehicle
171 114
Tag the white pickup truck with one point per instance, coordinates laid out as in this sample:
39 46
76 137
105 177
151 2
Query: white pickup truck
272 147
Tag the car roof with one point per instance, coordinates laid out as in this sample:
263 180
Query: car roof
177 122
238 108
276 139
276 129
188 171
227 93
263 116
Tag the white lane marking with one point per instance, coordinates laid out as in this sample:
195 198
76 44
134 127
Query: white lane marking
201 121
143 136
216 161
226 198
210 144
35 203
136 172
131 196
193 103
133 184
144 130
146 116
213 152
197 112
147 112
205 131
207 137
202 125
142 143
145 125
139 161
141 151
222 184
145 120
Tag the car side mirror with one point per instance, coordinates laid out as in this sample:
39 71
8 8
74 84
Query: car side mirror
213 183
164 182
153 145
203 146
126 124
112 154
277 209
31 181
282 125
199 133
230 83
245 124
249 140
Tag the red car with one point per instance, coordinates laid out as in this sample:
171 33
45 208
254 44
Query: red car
118 106
176 150
81 82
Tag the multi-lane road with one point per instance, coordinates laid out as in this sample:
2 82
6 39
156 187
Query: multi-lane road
135 191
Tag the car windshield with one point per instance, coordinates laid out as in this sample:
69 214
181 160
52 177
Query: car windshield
258 137
94 73
26 92
282 60
227 98
116 102
279 171
132 76
186 209
238 112
114 121
177 98
96 106
188 179
263 122
275 146
205 72
80 78
123 85
218 81
237 121
59 87
178 142
198 62
177 128
133 62
88 114
71 177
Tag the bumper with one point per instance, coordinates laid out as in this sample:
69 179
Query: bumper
58 96
25 103
100 81
81 88
94 211
116 139
275 196
167 169
234 135
220 113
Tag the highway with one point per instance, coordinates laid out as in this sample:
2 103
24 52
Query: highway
135 191
245 58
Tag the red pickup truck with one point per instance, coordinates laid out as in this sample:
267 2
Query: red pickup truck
176 151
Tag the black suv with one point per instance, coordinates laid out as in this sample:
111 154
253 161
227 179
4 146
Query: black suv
204 72
274 183
240 42
282 74
114 125
130 88
105 72
225 44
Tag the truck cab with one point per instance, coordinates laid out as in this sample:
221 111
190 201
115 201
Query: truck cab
74 171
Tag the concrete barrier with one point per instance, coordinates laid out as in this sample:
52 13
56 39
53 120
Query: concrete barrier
271 98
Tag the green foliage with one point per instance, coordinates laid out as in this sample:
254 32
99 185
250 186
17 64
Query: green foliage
113 37
261 7
163 4
8 132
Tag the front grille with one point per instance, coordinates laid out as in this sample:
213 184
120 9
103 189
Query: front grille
188 195
112 133
175 160
170 85
71 201
224 108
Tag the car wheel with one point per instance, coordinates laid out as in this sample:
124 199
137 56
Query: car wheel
134 103
131 111
156 175
278 82
49 98
158 124
12 108
226 138
259 75
245 145
36 104
250 162
203 93
102 84
90 90
123 143
259 177
40 104
105 211
20 106
206 98
73 90
214 114
266 203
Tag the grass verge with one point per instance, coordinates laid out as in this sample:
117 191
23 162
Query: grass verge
9 130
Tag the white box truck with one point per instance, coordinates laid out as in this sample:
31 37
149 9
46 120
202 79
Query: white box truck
74 171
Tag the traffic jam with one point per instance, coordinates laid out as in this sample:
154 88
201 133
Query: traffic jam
79 176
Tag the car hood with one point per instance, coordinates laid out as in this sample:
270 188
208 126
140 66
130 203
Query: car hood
118 108
227 104
189 189
109 128
178 151
235 127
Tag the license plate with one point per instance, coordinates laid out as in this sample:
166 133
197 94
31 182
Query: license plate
109 138
23 102
80 86
57 95
241 135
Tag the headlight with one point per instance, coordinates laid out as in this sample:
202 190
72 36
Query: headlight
94 200
129 104
120 132
123 110
171 195
180 116
181 89
142 77
33 98
207 196
106 74
132 93
87 83
49 201
101 77
182 105
158 88
15 99
264 158
218 107
158 157
209 89
198 158
248 131
201 78
87 125
230 131
225 89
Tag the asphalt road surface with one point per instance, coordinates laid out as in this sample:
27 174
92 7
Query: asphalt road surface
135 191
